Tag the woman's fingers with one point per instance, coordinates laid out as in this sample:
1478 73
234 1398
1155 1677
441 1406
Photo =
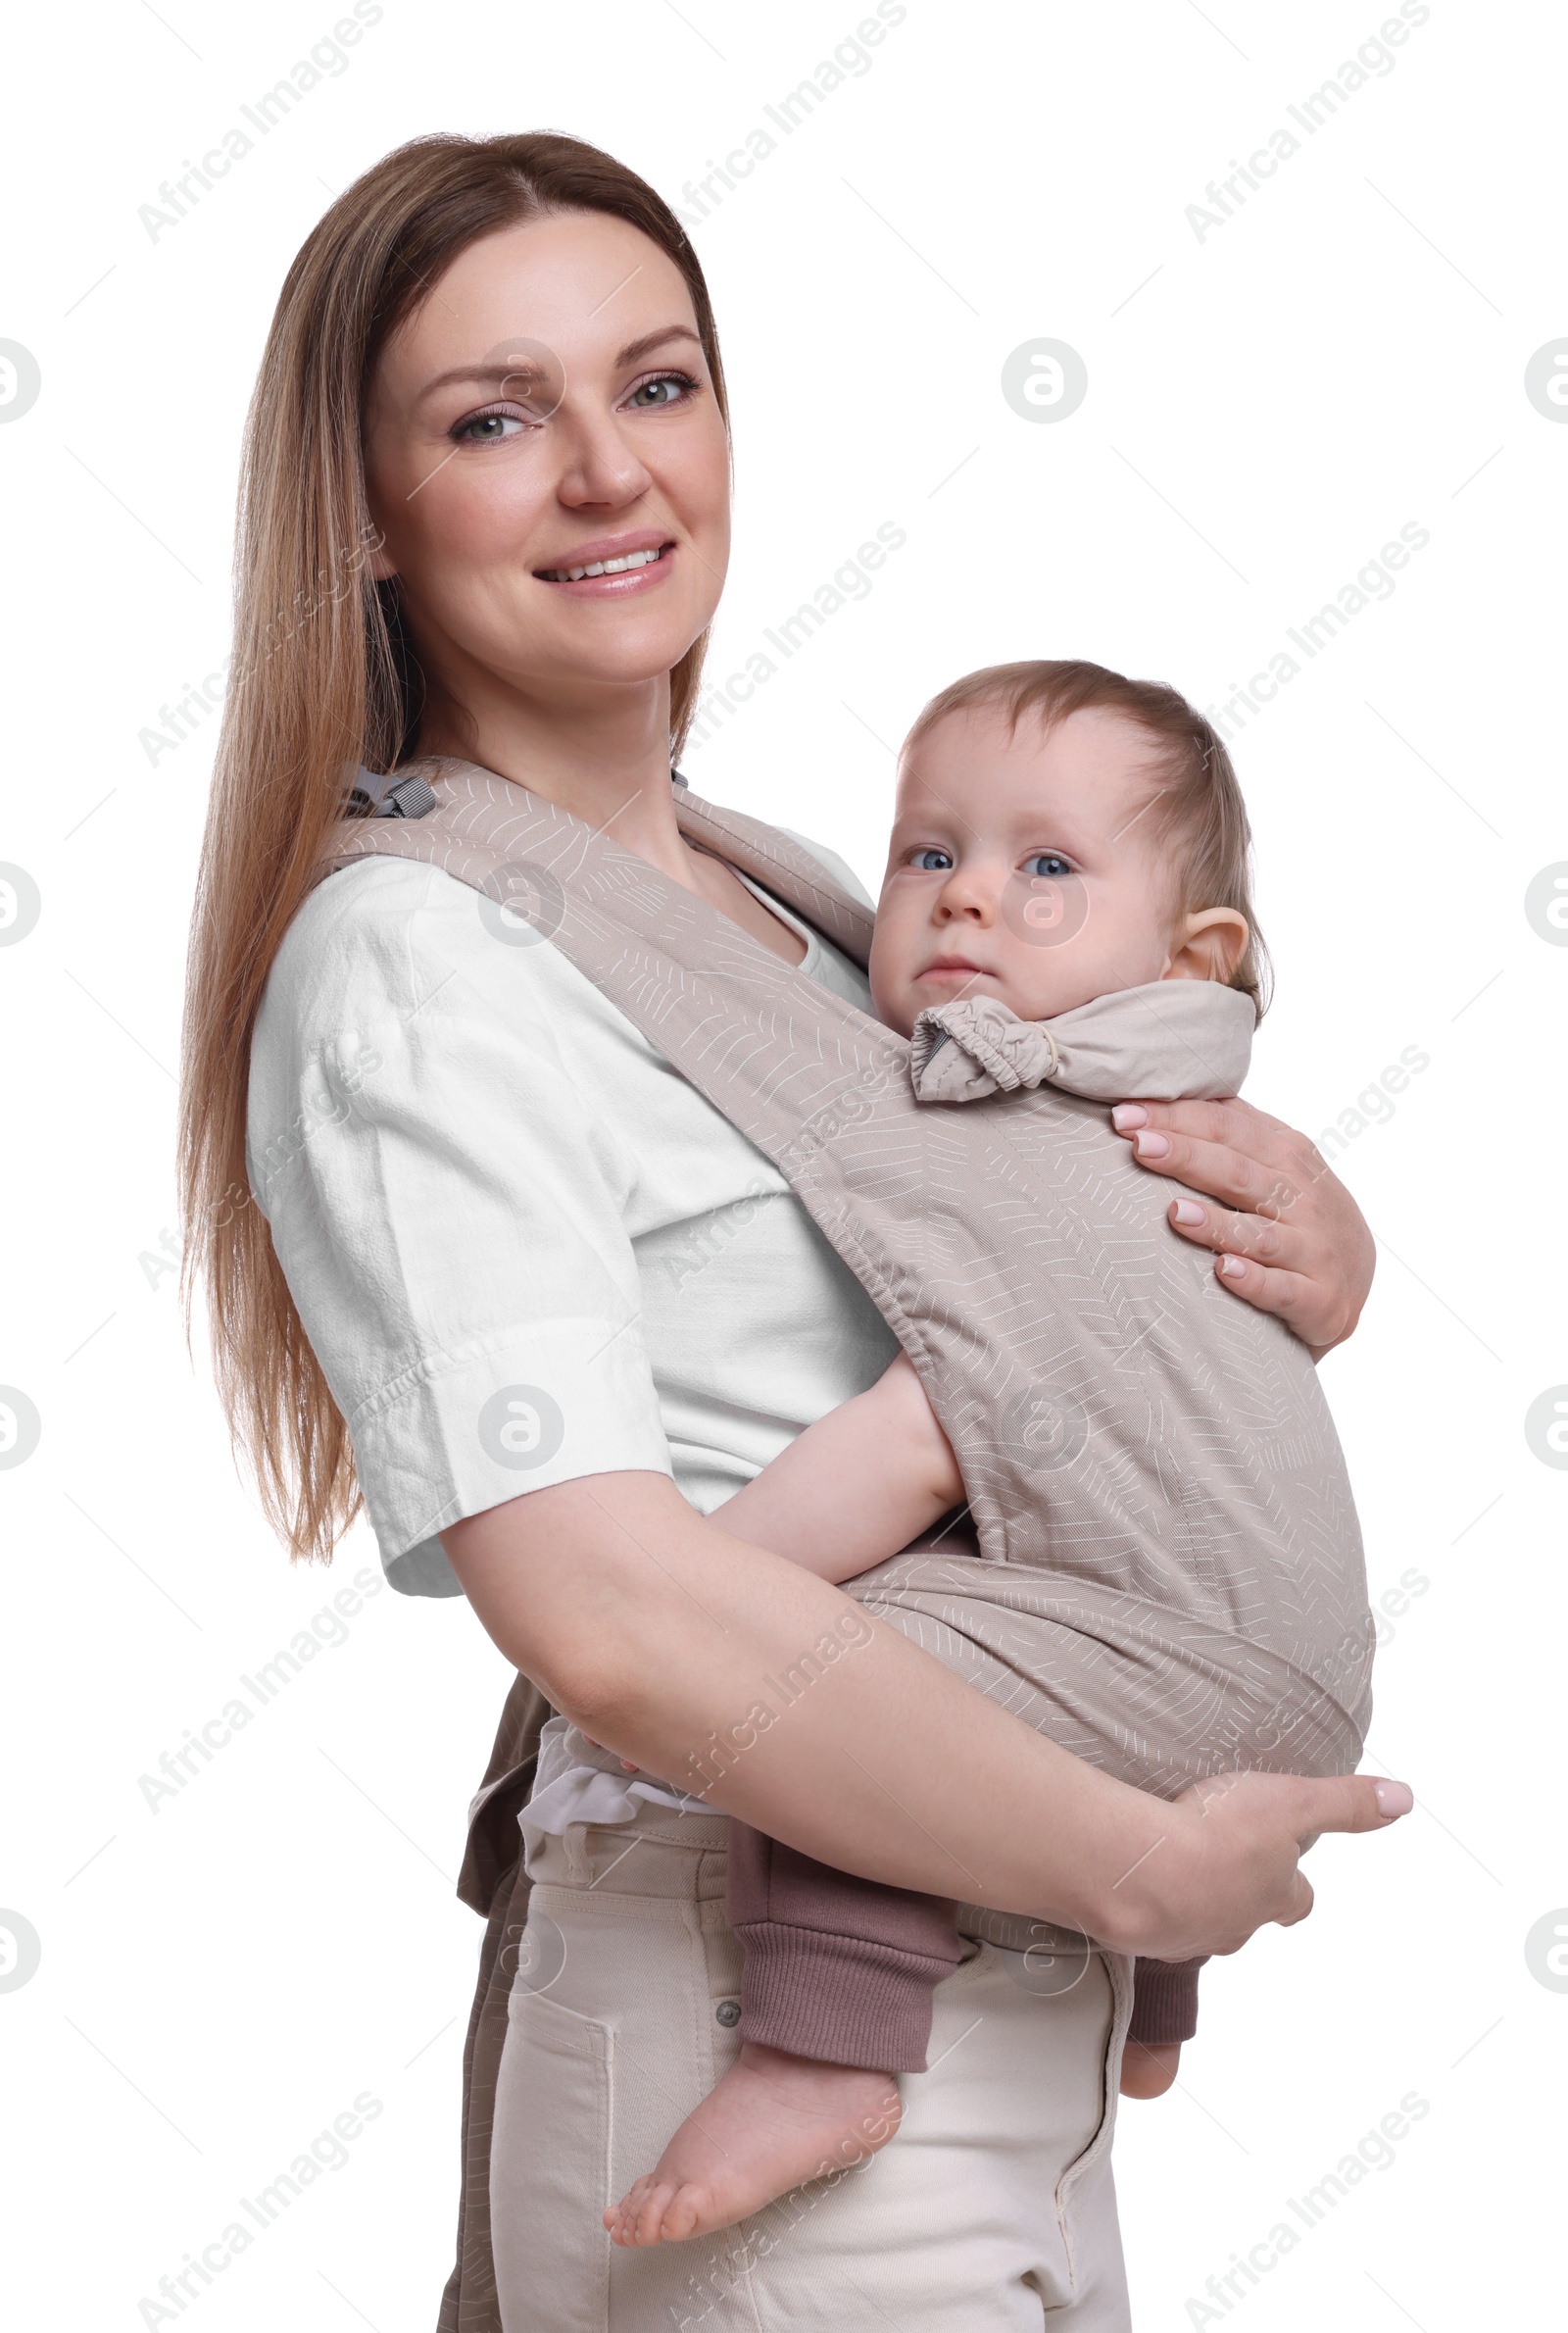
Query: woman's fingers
1230 1232
1231 1123
1298 1902
1207 1161
1288 1295
1306 1803
1240 1243
1352 1802
1230 1857
1342 1803
1249 1829
1308 1254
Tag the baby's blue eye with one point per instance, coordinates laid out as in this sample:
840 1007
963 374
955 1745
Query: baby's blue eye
932 862
1046 863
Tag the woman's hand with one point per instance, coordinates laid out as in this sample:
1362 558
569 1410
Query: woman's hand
1289 1237
1227 1858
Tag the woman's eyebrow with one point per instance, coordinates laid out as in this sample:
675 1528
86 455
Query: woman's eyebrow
652 340
522 367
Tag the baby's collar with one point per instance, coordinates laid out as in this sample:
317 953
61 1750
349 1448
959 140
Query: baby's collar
1171 1040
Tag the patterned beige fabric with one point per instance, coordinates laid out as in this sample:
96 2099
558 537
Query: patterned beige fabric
1176 1038
1169 1577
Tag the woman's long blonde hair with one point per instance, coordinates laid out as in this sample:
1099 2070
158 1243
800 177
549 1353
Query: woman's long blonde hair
323 680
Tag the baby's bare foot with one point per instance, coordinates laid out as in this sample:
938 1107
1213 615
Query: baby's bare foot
773 2122
1149 2069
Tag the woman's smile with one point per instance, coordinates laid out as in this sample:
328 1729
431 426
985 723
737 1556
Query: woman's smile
613 566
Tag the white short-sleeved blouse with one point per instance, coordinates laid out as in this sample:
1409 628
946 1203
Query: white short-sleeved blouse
523 1247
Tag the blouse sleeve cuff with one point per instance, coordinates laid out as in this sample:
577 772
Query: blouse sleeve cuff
463 1430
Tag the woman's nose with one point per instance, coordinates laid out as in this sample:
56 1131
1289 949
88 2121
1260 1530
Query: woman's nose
598 465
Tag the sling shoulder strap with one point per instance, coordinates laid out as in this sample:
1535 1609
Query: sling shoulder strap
479 824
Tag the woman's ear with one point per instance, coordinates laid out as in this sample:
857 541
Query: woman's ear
1208 945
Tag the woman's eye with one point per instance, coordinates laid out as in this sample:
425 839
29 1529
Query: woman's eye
1046 863
932 862
488 429
665 388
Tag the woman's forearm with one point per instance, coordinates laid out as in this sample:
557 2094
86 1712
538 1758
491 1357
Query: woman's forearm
744 1678
666 1639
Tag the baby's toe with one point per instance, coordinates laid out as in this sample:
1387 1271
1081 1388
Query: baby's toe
621 2219
651 2204
686 2207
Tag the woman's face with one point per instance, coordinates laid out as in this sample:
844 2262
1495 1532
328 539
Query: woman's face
547 409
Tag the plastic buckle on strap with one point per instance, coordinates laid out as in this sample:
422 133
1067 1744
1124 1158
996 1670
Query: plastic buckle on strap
376 795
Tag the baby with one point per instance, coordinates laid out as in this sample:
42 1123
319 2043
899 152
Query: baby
1061 835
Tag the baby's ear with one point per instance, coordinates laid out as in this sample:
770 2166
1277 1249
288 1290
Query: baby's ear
1208 945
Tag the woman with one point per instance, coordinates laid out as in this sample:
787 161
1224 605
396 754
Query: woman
563 1308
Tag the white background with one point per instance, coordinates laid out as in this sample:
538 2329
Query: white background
1266 407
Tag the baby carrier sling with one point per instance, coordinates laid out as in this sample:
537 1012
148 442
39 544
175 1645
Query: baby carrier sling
1169 1577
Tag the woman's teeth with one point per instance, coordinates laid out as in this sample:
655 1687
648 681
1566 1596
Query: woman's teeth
602 567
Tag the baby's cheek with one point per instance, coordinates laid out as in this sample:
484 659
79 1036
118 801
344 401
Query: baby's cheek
889 970
1039 981
894 1007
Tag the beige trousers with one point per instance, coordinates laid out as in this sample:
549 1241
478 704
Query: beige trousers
991 2211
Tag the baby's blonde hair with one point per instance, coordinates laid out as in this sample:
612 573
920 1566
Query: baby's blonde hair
1199 805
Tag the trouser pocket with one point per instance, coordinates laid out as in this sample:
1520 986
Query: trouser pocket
549 2167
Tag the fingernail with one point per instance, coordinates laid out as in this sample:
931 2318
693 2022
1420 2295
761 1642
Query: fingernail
1394 1798
1152 1145
1128 1115
1186 1211
1232 1267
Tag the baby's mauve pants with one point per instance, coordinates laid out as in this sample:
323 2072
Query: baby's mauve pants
844 1969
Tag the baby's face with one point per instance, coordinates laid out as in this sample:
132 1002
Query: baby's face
1022 868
